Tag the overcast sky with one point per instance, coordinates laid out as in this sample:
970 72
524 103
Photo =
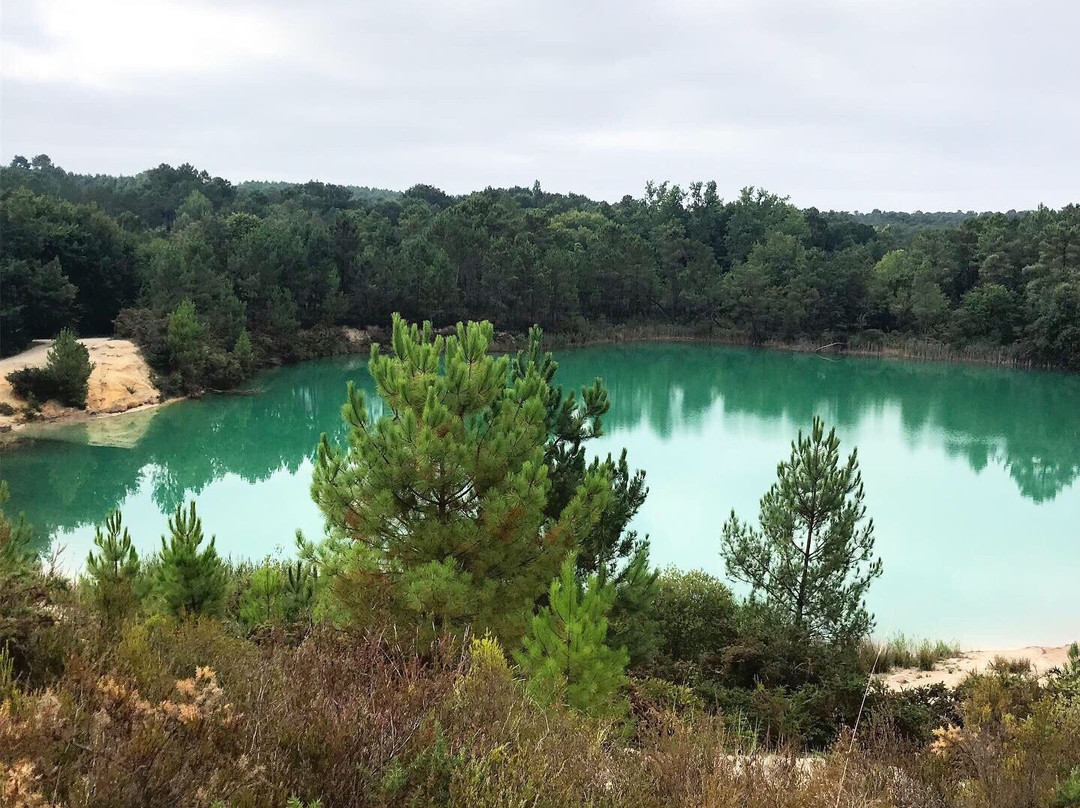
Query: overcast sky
848 104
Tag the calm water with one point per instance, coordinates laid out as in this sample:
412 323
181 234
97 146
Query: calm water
971 473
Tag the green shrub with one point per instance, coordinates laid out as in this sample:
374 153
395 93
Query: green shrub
565 656
244 354
64 377
696 613
262 601
185 341
1068 792
33 382
655 697
69 362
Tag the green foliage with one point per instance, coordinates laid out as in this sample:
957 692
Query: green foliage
697 617
1053 333
243 353
38 301
298 593
16 554
278 593
64 377
189 580
113 571
263 601
566 657
632 621
93 254
1068 792
35 384
185 339
290 263
608 548
69 363
447 494
988 313
811 558
296 802
35 643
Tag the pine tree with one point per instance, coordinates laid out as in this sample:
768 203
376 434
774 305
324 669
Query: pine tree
185 340
811 557
633 623
69 364
263 600
571 422
190 581
447 495
113 571
244 354
565 656
298 594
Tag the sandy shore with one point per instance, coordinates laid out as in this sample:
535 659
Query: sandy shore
119 382
950 672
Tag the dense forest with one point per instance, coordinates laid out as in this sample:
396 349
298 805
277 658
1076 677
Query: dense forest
213 279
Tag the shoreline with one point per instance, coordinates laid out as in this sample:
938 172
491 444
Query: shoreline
120 382
72 417
506 342
909 350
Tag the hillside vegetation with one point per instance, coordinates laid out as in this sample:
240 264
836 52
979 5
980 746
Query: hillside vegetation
214 279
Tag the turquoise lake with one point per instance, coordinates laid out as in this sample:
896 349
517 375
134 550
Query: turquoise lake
971 473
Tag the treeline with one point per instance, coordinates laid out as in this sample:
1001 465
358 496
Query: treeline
281 266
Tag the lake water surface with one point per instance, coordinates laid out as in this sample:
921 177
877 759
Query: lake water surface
971 473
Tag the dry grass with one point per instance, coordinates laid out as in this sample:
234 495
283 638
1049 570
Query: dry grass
904 652
188 714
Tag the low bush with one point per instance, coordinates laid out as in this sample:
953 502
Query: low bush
64 377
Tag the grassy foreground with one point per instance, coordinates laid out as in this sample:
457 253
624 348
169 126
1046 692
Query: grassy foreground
167 712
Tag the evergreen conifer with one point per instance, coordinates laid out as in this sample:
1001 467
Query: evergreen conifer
565 655
262 601
68 362
244 354
190 581
113 570
448 494
811 557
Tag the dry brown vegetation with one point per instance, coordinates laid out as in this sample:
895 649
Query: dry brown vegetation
187 713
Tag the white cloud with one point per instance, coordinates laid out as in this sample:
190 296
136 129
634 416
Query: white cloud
839 103
116 44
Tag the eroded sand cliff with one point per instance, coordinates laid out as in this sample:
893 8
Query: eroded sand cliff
120 381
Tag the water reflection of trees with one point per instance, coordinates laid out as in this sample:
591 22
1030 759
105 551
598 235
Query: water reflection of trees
1027 422
981 412
64 482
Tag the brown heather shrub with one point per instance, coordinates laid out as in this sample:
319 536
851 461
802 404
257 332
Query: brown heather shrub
1015 745
186 714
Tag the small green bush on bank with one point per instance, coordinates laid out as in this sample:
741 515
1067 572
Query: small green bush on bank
63 378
